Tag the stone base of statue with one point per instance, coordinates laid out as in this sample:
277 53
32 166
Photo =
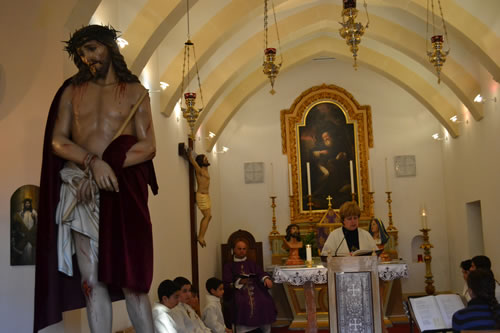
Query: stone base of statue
293 256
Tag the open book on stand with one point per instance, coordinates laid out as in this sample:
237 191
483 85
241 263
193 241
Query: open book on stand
435 312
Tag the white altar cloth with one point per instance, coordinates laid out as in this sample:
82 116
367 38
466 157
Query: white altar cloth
298 275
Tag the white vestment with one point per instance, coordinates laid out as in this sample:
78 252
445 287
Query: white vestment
337 244
187 320
163 320
212 315
80 217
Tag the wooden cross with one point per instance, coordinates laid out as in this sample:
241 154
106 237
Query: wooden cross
192 216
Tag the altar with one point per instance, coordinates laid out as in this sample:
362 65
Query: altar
306 289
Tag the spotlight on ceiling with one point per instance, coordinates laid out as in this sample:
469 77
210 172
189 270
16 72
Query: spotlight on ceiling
164 85
121 42
436 136
481 99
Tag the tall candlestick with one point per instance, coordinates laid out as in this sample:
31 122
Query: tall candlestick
308 178
424 218
290 188
387 182
352 177
308 252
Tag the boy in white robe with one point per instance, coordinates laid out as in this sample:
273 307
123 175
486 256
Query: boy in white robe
168 296
185 317
212 313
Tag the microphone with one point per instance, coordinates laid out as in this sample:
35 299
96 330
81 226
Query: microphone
343 239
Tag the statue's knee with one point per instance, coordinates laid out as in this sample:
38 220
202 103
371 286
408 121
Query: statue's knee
87 288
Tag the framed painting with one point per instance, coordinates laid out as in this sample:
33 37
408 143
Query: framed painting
23 225
323 133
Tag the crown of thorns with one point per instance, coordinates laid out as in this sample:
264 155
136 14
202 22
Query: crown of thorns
104 34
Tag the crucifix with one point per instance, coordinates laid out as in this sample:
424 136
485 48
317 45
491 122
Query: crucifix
192 216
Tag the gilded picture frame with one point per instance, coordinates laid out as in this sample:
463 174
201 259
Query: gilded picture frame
328 128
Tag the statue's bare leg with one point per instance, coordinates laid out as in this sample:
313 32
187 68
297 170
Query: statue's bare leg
207 216
99 311
139 311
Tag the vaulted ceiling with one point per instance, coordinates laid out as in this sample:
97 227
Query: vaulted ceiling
228 36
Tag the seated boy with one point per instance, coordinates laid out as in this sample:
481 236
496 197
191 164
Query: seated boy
186 319
212 313
168 296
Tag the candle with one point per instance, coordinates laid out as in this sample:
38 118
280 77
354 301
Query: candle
290 187
370 176
424 219
272 181
387 183
308 178
308 252
352 177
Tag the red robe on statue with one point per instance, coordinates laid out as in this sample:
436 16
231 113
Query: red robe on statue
125 238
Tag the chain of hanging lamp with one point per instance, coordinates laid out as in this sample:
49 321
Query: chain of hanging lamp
190 112
270 67
437 55
351 30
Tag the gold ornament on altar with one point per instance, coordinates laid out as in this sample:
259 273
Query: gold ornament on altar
351 30
190 112
269 66
437 55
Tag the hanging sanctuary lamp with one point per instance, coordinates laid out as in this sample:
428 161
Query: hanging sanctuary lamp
270 67
190 112
351 30
437 55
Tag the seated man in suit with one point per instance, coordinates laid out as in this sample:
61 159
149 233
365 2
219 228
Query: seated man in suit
249 284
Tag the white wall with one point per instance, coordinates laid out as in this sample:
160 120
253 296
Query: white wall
471 174
401 126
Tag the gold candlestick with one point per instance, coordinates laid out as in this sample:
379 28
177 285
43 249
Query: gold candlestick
310 204
353 196
429 288
389 201
273 206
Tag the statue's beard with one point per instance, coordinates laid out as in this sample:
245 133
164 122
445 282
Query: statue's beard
205 164
99 72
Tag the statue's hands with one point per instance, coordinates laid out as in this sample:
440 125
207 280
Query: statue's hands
268 283
104 175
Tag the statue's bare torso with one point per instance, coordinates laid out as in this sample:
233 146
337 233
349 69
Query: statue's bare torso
99 111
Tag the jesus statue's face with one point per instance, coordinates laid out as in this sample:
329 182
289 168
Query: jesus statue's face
95 55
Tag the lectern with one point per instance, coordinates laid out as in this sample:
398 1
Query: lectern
354 296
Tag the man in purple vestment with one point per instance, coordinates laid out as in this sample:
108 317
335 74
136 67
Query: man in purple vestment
249 284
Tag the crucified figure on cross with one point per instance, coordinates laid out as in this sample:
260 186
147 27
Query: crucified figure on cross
201 164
